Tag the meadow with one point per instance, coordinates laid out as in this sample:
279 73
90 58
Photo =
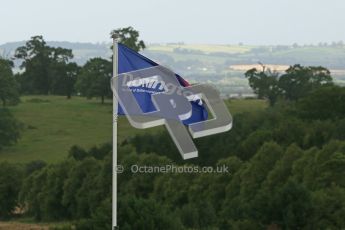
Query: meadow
53 124
230 49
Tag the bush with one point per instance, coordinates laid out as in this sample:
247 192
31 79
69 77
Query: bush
10 183
9 128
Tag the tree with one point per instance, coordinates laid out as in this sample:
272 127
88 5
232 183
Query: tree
35 55
299 81
328 208
70 79
296 83
152 215
10 185
63 73
9 89
130 37
9 128
44 66
291 205
264 84
64 77
94 79
323 103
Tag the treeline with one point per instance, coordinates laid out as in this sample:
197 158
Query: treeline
48 70
286 172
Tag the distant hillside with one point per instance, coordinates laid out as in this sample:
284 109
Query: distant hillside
222 65
331 56
82 51
225 65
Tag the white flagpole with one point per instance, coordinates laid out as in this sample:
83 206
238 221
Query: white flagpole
115 109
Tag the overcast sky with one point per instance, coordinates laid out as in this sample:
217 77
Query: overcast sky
191 21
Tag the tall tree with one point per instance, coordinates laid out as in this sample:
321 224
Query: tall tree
130 37
62 73
324 103
9 128
264 83
95 75
295 84
10 184
43 65
36 59
299 80
9 89
94 79
64 77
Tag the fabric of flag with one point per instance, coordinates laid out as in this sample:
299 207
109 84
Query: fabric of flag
130 60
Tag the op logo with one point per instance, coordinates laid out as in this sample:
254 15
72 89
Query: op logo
173 103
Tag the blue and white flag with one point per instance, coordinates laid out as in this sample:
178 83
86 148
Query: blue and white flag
129 61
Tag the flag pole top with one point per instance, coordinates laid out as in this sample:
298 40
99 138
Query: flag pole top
115 36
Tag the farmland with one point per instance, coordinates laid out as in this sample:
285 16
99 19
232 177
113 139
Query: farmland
53 124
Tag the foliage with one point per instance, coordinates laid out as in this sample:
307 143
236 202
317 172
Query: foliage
10 183
325 103
280 186
47 69
283 183
129 37
265 84
94 79
9 128
64 78
299 81
296 83
9 89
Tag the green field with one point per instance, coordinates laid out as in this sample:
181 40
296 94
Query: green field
230 49
245 54
30 224
242 105
53 124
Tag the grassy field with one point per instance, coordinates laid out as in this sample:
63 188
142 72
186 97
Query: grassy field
28 224
21 226
242 105
230 49
53 124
